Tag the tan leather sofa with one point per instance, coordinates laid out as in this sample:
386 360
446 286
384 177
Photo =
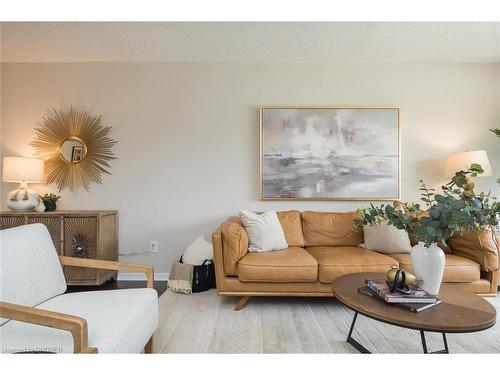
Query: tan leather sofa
323 246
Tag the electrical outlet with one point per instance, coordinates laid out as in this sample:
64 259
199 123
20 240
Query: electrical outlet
154 245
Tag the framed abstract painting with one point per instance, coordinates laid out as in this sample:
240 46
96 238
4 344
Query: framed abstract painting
330 153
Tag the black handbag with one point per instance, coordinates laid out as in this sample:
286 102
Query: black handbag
203 276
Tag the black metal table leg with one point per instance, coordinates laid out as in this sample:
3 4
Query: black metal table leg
445 342
442 351
424 344
360 348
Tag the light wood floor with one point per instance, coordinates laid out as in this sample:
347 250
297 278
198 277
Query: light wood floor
207 323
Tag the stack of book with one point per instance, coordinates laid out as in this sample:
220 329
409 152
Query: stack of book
417 300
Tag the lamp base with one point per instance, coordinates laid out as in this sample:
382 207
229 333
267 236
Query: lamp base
22 200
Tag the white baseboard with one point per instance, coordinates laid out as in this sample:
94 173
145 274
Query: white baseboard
136 276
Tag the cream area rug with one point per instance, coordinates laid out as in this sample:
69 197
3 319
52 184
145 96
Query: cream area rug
207 323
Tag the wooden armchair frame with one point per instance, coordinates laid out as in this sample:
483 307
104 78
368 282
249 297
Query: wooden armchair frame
75 325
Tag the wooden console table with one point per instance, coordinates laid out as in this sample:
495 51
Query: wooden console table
82 234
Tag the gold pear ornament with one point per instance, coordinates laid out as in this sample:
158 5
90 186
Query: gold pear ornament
411 279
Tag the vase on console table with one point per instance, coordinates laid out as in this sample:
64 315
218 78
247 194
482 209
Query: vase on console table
50 206
428 264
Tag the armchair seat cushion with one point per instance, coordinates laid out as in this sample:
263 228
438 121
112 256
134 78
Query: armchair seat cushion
335 261
119 321
293 264
457 269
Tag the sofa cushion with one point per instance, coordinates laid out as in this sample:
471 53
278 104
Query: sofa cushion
292 227
331 229
30 271
119 321
483 247
457 269
234 244
294 264
340 260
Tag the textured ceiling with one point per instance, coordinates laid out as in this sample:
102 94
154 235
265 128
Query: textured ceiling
250 42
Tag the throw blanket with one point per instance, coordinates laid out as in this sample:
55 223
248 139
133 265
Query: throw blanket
181 278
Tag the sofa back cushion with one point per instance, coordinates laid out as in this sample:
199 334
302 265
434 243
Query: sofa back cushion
30 271
331 229
292 227
483 247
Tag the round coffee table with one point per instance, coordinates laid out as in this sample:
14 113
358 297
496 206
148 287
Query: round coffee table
459 312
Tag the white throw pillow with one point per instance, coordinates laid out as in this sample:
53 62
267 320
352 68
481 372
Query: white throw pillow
386 239
199 251
264 231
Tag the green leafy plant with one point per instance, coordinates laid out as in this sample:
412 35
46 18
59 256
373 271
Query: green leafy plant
49 198
456 209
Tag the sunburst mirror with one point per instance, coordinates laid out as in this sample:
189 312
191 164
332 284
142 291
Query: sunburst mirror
76 148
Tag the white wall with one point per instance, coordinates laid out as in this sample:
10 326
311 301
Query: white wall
187 133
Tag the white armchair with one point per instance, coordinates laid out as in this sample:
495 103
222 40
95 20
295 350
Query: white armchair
36 315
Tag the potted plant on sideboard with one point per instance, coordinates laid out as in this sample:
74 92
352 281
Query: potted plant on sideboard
458 209
50 201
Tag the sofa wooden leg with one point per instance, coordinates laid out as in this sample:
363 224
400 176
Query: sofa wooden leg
241 303
148 349
89 350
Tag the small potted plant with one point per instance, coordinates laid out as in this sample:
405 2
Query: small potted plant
49 200
457 210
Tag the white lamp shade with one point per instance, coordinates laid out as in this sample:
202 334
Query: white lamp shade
18 169
461 161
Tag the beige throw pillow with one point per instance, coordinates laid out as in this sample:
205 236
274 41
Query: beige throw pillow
264 231
386 239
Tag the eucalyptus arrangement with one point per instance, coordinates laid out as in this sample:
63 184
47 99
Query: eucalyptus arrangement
49 200
457 209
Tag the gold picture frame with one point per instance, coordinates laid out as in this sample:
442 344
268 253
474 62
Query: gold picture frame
263 195
76 148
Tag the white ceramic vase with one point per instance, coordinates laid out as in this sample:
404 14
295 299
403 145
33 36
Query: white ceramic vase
428 264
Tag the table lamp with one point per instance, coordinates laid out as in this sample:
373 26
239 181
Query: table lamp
461 161
22 170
